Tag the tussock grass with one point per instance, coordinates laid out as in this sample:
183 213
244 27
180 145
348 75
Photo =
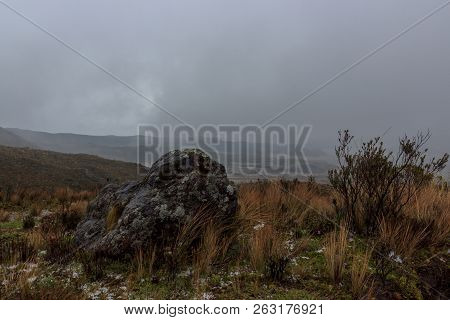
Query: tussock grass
144 262
210 248
15 250
113 216
360 274
336 252
431 207
402 237
271 218
4 215
79 207
35 239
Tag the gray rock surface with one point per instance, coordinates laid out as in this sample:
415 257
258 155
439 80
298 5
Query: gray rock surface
126 217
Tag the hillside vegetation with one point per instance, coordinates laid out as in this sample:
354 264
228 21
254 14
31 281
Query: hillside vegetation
379 230
29 168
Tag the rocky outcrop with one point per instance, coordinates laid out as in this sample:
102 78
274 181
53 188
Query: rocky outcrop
126 217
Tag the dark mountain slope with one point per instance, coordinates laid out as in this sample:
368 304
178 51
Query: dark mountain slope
28 168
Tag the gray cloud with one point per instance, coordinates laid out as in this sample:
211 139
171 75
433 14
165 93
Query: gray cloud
226 62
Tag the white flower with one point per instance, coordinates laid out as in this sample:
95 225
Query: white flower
31 279
395 257
104 290
185 274
289 244
207 296
259 226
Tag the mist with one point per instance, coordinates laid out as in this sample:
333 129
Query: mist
223 62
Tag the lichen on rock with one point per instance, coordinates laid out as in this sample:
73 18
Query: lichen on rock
153 210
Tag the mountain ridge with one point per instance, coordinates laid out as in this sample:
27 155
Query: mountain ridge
124 148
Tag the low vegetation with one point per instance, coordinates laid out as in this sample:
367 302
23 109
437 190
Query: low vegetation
291 240
30 171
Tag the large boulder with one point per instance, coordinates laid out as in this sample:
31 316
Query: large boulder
133 215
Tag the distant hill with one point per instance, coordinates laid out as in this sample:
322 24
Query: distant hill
29 168
8 138
123 148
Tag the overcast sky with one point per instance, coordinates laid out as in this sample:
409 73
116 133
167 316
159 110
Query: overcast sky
226 62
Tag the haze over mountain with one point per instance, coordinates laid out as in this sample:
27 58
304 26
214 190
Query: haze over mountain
9 139
238 62
109 147
124 148
223 62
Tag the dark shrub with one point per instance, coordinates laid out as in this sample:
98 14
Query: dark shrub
93 265
59 244
59 247
373 183
15 249
319 224
28 222
276 268
70 219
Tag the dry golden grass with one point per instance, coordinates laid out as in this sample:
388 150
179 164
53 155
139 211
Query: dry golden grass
39 198
79 206
139 261
431 206
64 196
63 193
35 239
36 208
281 202
209 250
360 274
16 199
258 247
271 251
203 242
336 252
268 213
144 262
4 216
113 217
14 251
402 237
85 195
